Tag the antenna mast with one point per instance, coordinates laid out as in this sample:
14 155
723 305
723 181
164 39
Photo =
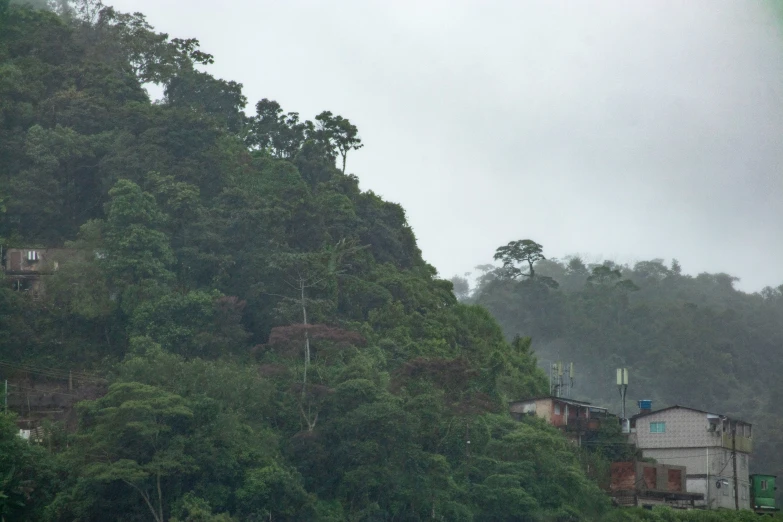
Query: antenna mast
561 379
622 385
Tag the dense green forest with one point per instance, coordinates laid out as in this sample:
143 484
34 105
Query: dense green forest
689 340
272 343
254 337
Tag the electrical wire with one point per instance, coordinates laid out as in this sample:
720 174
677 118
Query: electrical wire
40 391
53 373
47 369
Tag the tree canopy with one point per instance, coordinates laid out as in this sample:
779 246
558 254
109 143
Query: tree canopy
230 329
691 340
247 334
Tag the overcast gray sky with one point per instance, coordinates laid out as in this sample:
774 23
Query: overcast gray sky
622 130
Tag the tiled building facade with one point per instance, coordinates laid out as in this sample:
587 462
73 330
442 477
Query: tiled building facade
702 442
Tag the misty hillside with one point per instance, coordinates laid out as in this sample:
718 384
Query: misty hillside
689 340
203 318
222 325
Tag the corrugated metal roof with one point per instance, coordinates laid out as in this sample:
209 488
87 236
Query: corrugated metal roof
561 399
640 415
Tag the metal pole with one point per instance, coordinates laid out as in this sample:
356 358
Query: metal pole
622 385
734 463
708 478
625 389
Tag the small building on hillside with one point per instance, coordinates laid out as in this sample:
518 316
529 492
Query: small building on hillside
573 417
647 484
714 448
24 267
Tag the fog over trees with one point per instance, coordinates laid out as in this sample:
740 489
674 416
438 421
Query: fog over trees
204 317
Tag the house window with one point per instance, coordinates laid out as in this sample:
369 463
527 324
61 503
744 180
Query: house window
763 485
557 409
657 427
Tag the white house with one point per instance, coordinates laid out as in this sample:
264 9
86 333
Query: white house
714 449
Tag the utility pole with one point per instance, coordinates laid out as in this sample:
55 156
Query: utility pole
708 477
734 463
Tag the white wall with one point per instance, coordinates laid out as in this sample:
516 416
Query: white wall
684 428
720 468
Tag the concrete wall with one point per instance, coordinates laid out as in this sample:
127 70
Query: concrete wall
519 408
684 428
697 485
557 412
688 428
16 259
647 475
543 408
720 468
723 497
696 459
688 441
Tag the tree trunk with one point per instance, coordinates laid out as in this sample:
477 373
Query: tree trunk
307 416
145 496
307 338
160 499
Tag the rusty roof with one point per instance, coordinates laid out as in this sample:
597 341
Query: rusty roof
562 399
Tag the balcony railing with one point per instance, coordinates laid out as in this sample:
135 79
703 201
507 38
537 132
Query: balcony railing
581 424
744 444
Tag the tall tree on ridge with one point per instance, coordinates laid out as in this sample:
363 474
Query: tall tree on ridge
519 252
339 132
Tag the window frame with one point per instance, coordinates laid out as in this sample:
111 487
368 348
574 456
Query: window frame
660 427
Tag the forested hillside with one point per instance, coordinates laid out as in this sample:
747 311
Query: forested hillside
235 331
270 343
689 340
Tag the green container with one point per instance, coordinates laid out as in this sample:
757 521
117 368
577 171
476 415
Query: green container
762 493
